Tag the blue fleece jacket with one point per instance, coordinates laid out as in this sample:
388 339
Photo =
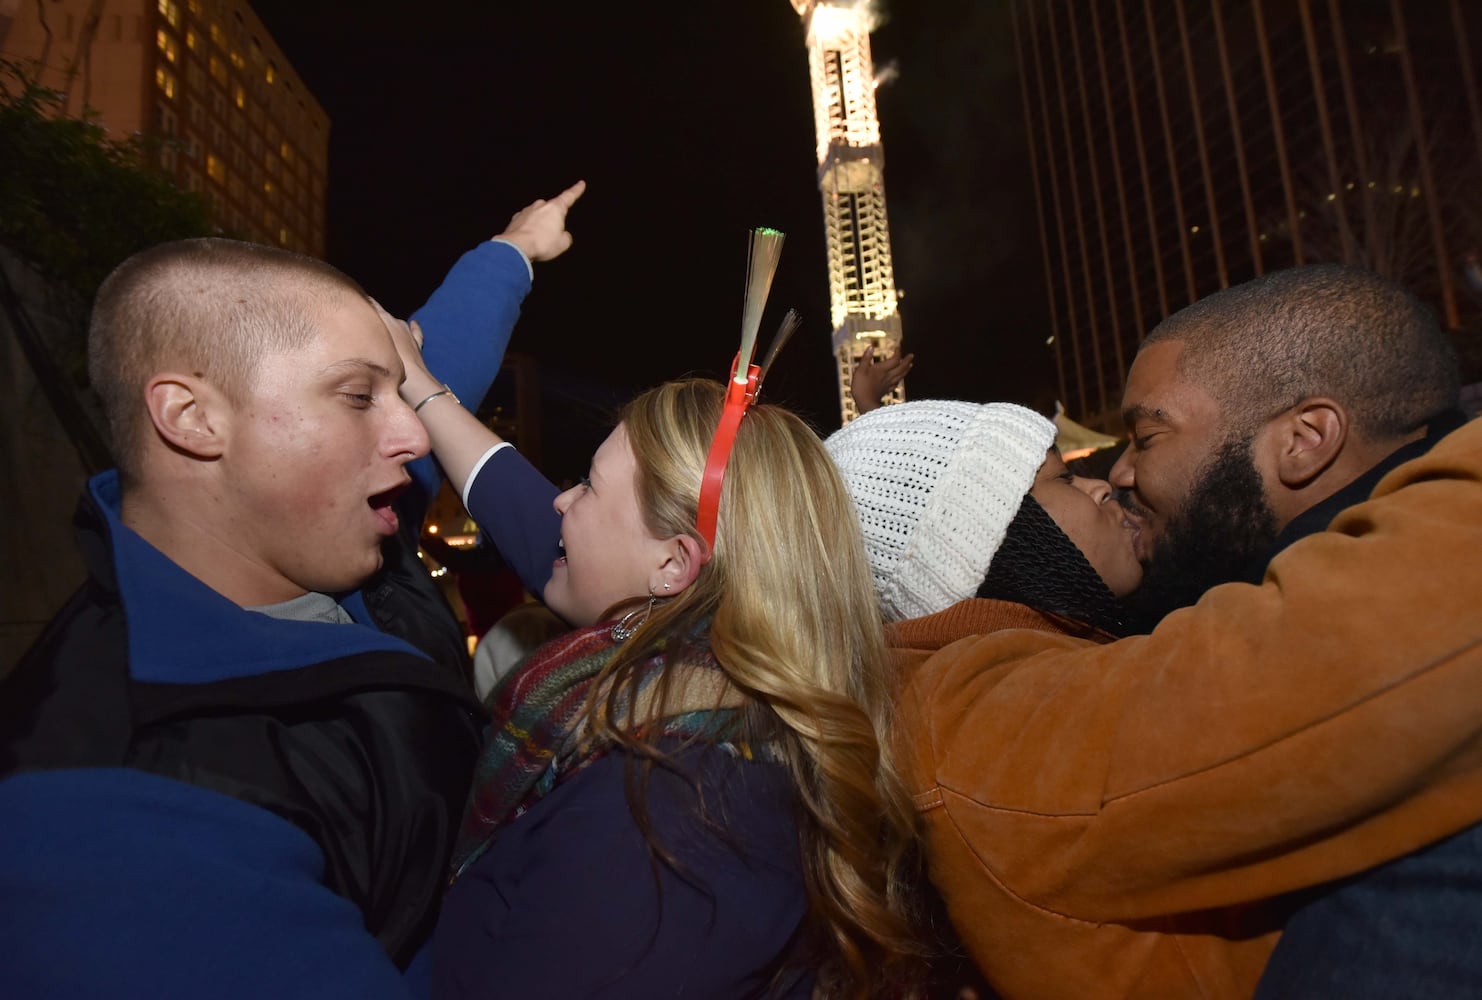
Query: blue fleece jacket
120 882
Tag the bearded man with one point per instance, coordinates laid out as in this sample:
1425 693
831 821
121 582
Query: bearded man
1257 414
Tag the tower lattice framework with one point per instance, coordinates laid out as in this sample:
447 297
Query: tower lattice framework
851 178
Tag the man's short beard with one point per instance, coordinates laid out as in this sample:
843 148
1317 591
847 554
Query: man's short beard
1214 537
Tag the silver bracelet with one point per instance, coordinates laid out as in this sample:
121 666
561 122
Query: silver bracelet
444 391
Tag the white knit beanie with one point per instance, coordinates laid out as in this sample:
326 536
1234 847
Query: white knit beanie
936 483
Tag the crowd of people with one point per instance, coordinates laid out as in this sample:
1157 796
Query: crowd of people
820 716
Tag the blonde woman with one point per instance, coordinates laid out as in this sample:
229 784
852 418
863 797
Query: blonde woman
691 792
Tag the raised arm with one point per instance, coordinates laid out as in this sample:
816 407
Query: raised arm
506 495
468 321
459 439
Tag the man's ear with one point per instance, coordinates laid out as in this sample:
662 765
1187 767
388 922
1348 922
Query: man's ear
188 413
684 558
1309 438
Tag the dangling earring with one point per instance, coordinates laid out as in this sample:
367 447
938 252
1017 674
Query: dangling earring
624 627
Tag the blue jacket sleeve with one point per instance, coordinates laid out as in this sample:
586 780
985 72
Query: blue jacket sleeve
467 325
116 880
512 503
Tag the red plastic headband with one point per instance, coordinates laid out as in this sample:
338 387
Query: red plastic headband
739 397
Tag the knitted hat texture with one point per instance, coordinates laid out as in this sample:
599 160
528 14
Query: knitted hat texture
936 483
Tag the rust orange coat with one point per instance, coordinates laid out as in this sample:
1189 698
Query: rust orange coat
1122 820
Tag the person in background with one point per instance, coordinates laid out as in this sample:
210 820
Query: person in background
874 376
522 630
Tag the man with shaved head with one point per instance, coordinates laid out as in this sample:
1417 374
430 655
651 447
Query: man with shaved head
246 393
1258 413
1255 417
233 764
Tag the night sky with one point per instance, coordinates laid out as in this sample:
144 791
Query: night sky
691 123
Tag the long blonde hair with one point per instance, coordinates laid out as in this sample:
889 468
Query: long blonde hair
796 628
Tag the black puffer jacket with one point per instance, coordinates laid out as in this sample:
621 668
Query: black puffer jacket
348 731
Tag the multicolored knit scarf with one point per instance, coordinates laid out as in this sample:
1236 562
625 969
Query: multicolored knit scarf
538 735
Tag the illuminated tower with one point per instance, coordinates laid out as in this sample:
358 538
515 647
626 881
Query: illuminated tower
851 161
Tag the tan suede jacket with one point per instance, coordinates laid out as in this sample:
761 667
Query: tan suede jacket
1121 820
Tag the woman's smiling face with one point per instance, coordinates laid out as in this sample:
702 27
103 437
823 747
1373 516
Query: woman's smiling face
609 554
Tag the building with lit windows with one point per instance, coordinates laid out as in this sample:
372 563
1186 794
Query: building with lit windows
205 77
1182 146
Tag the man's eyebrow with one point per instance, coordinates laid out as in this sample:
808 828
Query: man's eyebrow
357 363
1133 414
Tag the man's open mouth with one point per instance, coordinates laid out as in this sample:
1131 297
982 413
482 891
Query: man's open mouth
381 503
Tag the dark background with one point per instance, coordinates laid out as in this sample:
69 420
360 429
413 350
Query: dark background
691 123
